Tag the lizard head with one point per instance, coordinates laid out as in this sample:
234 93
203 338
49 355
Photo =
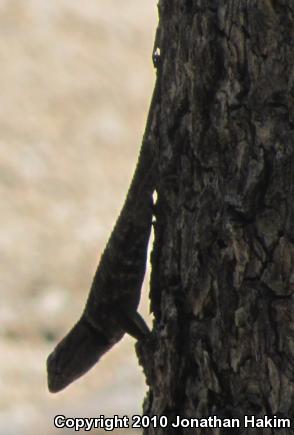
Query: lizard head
76 353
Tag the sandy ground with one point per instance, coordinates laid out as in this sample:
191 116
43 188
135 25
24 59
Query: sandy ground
75 82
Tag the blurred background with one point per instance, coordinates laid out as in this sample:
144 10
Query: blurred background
76 80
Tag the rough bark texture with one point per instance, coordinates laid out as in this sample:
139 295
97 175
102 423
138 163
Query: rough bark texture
223 262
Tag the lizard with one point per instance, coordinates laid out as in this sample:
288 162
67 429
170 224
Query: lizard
111 307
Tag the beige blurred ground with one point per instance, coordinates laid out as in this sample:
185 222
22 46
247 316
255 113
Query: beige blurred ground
75 82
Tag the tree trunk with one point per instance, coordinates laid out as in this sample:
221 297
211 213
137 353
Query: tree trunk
223 260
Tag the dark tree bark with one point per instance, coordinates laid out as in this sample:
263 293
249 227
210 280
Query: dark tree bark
223 260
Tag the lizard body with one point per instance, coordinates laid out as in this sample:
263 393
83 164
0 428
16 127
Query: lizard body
111 308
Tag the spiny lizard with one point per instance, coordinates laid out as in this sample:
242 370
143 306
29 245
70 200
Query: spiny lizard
111 308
